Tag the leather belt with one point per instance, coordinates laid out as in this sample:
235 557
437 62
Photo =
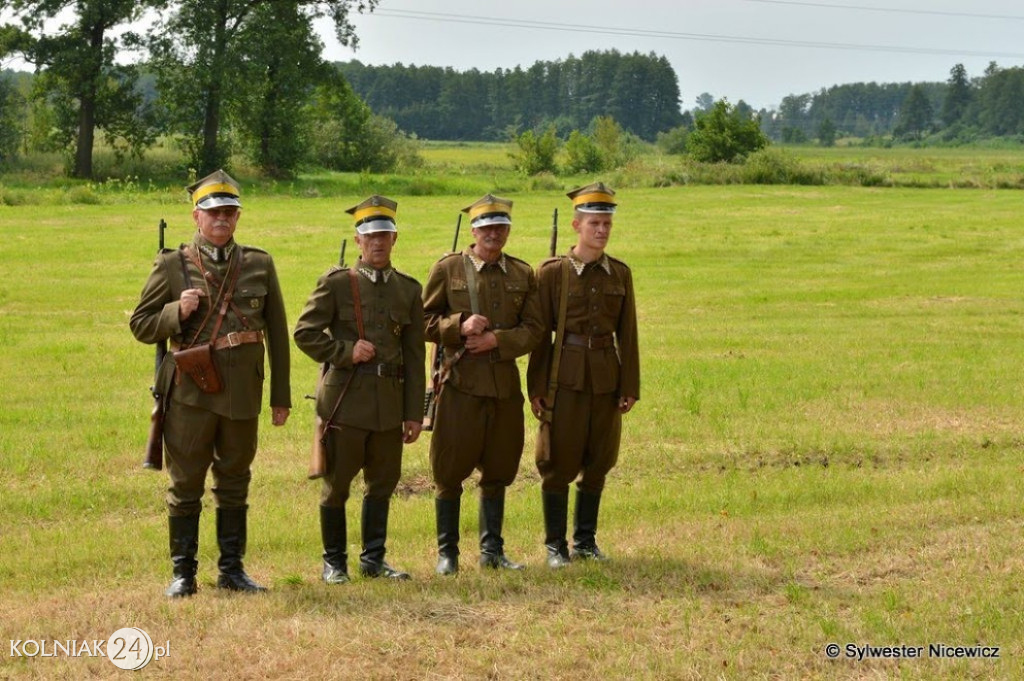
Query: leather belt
381 370
236 338
591 342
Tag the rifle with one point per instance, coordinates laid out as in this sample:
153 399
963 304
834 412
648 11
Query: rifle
318 453
155 444
430 399
554 233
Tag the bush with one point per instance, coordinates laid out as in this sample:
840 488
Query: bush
582 153
776 166
673 141
535 154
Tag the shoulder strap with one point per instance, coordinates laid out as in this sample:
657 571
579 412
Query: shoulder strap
353 279
227 293
474 295
563 306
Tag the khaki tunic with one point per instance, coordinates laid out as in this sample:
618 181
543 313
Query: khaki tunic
374 408
586 423
196 422
479 418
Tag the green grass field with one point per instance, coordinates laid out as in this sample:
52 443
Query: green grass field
827 450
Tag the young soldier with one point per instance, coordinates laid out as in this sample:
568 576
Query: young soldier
372 395
216 293
482 310
598 376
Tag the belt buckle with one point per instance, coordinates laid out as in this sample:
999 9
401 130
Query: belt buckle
590 342
233 339
380 371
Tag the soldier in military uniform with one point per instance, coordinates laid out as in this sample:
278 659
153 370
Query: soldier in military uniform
598 377
218 292
483 310
372 394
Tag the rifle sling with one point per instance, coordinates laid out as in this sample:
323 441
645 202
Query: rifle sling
353 279
563 306
474 307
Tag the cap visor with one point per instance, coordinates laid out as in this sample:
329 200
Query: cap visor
492 220
371 226
218 202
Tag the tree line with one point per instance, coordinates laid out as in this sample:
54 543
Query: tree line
640 92
960 110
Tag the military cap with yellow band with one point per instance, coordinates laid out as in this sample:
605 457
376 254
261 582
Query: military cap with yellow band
215 190
375 214
489 210
593 198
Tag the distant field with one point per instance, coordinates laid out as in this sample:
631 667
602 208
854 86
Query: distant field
827 449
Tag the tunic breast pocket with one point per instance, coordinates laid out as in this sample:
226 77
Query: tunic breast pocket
399 319
252 299
458 295
515 293
614 296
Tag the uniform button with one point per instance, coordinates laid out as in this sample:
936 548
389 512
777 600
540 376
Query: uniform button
494 306
494 284
595 308
593 289
380 325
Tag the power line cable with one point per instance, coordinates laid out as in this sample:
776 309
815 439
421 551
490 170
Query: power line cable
672 35
891 10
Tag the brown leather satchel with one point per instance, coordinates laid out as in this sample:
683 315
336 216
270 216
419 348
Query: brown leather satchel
197 362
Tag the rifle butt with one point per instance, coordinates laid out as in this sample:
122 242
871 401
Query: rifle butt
318 452
155 443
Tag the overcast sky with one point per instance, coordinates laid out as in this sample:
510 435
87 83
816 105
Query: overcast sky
755 50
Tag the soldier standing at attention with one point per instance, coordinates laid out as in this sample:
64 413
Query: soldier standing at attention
372 394
214 292
598 377
482 309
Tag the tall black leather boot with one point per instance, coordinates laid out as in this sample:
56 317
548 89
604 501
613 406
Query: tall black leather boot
184 534
447 513
375 535
492 545
584 533
231 537
334 533
556 514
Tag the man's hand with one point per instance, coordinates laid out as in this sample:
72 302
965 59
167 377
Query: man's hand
279 415
626 403
363 351
537 407
474 326
189 302
484 342
411 431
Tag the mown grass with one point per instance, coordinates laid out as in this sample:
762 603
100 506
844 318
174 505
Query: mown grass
827 449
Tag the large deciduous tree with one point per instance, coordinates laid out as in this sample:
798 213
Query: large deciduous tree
722 134
77 64
203 51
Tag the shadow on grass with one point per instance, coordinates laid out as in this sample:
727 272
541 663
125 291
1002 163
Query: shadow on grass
473 591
